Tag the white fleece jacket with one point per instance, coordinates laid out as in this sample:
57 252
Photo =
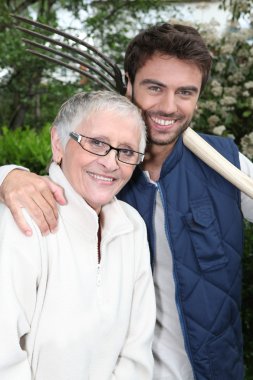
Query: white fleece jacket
63 317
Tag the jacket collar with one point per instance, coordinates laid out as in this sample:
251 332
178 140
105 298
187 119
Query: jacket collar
171 161
83 217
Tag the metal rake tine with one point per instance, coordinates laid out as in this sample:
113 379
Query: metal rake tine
118 76
70 58
66 35
64 45
80 71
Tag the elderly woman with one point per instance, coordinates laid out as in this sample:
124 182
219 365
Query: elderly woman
79 304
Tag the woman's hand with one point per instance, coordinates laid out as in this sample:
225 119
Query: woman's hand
38 195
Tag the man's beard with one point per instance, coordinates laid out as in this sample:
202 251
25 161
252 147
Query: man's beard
171 138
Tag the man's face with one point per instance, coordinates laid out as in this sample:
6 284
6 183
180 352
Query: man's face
167 90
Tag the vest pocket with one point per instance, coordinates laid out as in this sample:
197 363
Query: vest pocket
205 235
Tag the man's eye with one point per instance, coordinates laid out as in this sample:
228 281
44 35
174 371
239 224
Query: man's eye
186 92
154 88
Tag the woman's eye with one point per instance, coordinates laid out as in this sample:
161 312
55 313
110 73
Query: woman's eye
96 143
127 152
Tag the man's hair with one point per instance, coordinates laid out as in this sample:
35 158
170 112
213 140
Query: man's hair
179 41
83 105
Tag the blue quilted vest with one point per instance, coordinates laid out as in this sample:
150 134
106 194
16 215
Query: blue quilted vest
204 227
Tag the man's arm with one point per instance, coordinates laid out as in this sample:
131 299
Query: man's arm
38 195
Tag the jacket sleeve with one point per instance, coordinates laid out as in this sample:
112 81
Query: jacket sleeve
136 360
19 271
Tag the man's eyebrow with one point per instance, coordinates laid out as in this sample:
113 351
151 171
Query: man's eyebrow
188 88
152 81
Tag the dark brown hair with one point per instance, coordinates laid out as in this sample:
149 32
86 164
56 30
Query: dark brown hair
180 41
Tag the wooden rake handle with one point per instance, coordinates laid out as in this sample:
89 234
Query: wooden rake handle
216 161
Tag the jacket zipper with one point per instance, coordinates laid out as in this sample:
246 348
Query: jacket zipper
99 254
178 303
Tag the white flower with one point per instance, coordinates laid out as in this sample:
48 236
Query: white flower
210 105
219 130
247 145
231 91
215 83
228 101
237 77
220 66
248 85
246 94
213 120
228 48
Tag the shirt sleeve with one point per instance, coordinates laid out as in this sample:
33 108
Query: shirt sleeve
19 277
6 169
246 201
136 359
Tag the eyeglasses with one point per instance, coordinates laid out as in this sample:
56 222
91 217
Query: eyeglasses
100 148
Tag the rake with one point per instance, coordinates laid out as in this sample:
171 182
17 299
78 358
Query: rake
80 57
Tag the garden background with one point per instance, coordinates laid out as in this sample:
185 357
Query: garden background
31 90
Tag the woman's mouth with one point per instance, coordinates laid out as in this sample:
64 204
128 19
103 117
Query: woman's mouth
101 177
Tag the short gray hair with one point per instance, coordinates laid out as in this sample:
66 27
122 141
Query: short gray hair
83 105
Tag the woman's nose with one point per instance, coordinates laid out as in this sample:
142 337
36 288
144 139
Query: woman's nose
110 161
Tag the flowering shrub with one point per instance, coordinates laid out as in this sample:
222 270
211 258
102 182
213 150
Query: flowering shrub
226 106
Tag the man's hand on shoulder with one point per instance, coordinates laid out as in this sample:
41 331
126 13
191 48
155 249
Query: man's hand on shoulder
38 195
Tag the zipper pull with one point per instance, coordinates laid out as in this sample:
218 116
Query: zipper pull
99 274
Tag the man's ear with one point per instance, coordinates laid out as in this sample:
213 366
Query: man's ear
56 145
129 90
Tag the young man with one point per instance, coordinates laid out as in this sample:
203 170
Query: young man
193 215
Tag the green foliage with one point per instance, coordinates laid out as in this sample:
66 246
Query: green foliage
26 147
123 19
237 8
26 79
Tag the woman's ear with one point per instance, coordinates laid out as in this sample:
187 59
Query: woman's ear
56 145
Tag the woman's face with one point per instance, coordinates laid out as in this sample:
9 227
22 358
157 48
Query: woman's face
98 178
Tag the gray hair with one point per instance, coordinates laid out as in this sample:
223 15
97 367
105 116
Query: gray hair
83 105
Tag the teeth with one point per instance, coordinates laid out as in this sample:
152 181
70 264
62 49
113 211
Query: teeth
163 122
101 177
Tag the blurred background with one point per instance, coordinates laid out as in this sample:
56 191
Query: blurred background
32 89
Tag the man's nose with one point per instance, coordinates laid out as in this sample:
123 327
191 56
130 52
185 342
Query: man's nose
169 103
